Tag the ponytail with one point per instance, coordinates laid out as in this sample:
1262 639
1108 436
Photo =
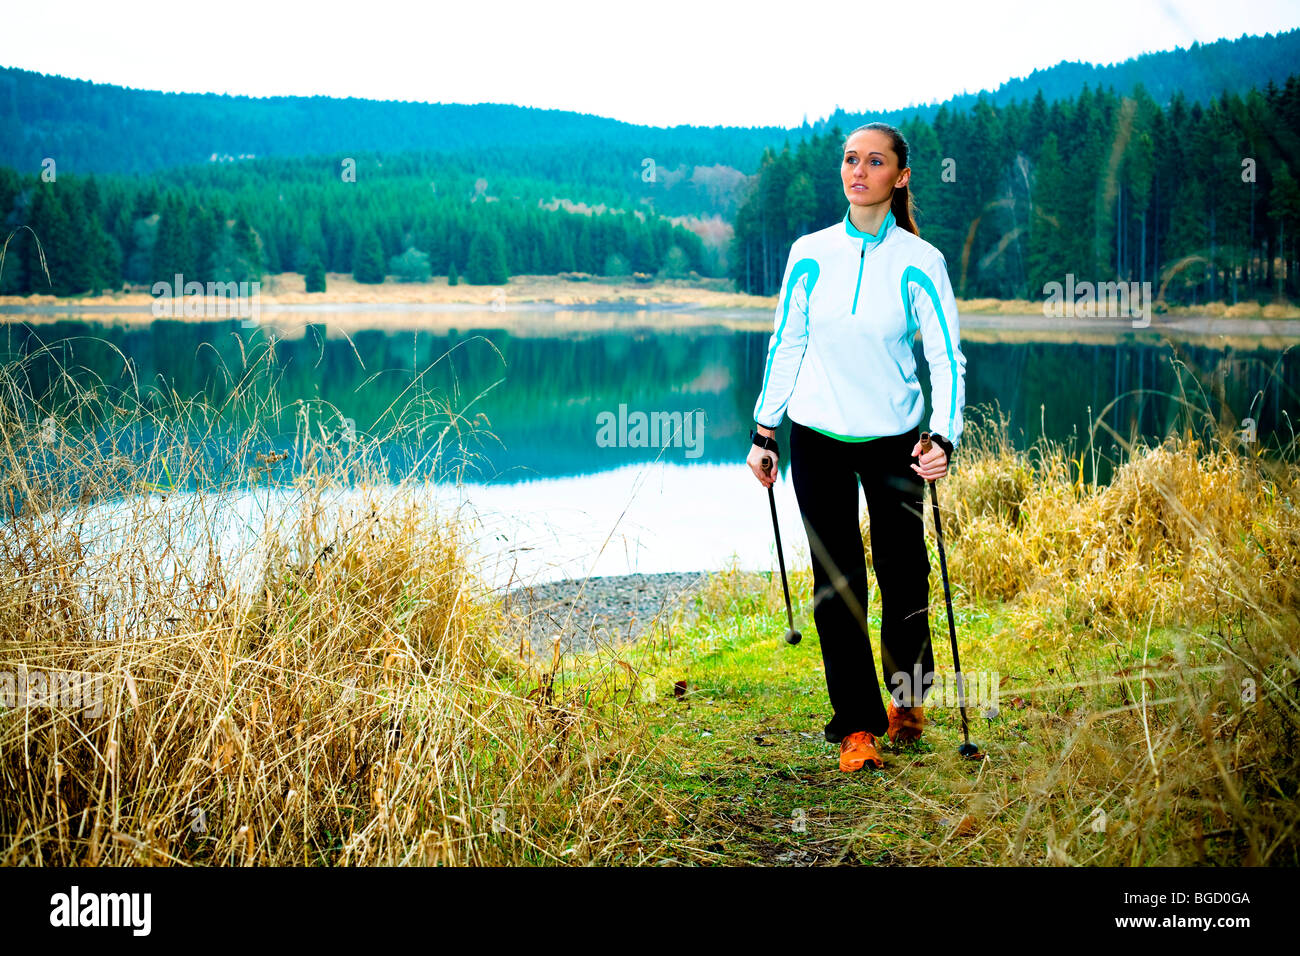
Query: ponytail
901 204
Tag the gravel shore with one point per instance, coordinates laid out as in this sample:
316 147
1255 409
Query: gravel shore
597 612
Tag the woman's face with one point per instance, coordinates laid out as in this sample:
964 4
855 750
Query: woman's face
870 169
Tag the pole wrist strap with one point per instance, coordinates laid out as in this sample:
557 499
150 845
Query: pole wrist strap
763 441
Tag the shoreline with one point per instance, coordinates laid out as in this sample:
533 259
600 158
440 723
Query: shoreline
595 612
287 290
283 293
551 319
546 306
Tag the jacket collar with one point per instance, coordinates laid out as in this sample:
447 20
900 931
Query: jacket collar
855 233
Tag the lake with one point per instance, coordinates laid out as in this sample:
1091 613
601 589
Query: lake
612 441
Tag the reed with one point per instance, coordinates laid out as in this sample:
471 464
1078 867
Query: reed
1153 642
334 694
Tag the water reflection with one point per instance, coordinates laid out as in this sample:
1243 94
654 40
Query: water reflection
517 418
524 407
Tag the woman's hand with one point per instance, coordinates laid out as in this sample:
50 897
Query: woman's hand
755 462
933 464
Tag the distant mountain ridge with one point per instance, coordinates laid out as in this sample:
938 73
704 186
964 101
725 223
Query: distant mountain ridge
92 127
1200 72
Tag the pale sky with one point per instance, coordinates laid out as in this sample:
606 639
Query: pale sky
658 62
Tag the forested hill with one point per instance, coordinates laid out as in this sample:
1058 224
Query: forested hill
91 127
1200 73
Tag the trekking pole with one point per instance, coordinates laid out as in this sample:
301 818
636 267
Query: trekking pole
791 636
967 749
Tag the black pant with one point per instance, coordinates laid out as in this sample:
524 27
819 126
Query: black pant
826 472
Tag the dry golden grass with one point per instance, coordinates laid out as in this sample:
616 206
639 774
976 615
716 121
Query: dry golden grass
1282 309
1187 735
288 289
348 704
1000 306
1178 525
343 705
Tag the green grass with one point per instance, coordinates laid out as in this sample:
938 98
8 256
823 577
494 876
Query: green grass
743 755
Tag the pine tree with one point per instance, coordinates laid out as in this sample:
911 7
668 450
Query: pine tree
48 218
103 257
583 252
209 231
73 256
452 277
1050 227
315 275
249 262
800 203
171 248
487 258
368 267
642 249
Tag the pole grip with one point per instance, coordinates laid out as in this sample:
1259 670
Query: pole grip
925 443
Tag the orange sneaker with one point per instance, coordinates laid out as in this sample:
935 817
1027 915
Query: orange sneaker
857 750
905 724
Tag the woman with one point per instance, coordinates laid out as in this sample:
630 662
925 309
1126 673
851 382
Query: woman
840 363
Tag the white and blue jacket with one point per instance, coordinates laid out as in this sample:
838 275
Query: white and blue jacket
840 359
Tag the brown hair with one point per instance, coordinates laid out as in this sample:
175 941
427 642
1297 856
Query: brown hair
901 204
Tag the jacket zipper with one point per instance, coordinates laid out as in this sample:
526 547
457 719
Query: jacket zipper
862 261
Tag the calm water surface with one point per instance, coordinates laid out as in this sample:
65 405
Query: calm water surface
552 494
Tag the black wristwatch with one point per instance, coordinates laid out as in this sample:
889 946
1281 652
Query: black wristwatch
764 442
